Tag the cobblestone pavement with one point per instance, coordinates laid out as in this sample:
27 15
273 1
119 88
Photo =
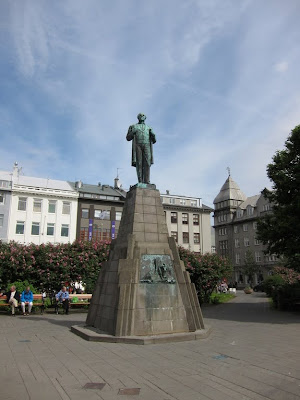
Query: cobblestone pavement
252 353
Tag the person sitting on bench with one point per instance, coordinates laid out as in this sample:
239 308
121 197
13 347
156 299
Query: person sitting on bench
12 298
26 299
62 297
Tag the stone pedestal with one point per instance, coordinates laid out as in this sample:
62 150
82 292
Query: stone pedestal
143 290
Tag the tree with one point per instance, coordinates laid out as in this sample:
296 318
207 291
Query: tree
280 230
250 266
206 271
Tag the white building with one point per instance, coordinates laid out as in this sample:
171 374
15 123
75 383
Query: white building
41 210
188 221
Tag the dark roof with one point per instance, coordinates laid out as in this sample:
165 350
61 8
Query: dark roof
104 190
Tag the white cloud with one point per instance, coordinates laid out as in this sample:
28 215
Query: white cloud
281 66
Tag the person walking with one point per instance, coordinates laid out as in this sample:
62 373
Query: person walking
26 299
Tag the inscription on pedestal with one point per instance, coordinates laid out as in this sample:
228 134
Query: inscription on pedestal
157 268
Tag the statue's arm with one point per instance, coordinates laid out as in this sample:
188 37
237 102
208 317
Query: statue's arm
152 136
130 133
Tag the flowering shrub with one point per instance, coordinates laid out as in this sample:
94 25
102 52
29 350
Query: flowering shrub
51 265
206 271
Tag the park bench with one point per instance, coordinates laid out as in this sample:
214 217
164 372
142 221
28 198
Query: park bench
81 300
38 301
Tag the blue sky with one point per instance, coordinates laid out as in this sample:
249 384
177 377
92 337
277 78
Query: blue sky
218 80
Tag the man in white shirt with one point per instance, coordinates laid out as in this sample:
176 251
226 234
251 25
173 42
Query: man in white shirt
12 297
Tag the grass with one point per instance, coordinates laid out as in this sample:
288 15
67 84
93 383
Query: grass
218 298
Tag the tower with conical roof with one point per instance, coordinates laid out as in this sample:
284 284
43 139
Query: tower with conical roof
225 204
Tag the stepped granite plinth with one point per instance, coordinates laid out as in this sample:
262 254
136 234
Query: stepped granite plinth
143 293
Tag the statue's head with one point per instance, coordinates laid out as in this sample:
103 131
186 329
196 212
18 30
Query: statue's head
141 117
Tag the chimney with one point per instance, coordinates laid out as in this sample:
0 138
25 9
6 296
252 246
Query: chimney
78 184
15 170
167 191
117 183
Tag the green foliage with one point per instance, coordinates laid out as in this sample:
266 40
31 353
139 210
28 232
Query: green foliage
49 266
21 286
218 298
280 230
206 271
272 283
250 266
74 300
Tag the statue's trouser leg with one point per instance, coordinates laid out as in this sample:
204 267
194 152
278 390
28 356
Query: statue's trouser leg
139 163
146 164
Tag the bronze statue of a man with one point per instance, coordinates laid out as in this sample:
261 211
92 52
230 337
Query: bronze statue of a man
142 138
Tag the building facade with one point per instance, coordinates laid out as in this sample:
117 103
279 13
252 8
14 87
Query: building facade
99 210
5 201
235 223
39 210
188 221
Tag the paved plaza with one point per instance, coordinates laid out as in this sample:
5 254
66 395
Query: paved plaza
253 352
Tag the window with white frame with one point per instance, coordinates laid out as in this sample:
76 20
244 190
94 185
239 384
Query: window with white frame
64 230
22 203
185 237
195 219
266 207
5 184
51 206
66 207
50 229
193 203
239 213
174 234
172 200
85 213
257 242
255 225
2 198
237 258
250 210
20 227
1 220
35 228
236 243
257 256
185 218
196 238
118 215
245 227
246 242
235 229
182 202
37 205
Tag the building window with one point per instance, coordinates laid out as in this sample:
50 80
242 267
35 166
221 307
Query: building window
239 213
174 217
266 207
101 234
196 237
222 231
172 200
84 234
250 210
52 206
1 220
246 242
64 230
37 205
182 202
50 229
118 215
66 207
22 203
236 243
223 244
195 219
255 225
35 228
99 214
237 258
5 184
185 237
236 229
2 198
185 218
84 213
174 235
20 227
193 203
245 227
257 256
222 217
257 242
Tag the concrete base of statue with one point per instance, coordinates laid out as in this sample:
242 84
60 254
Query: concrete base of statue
143 293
